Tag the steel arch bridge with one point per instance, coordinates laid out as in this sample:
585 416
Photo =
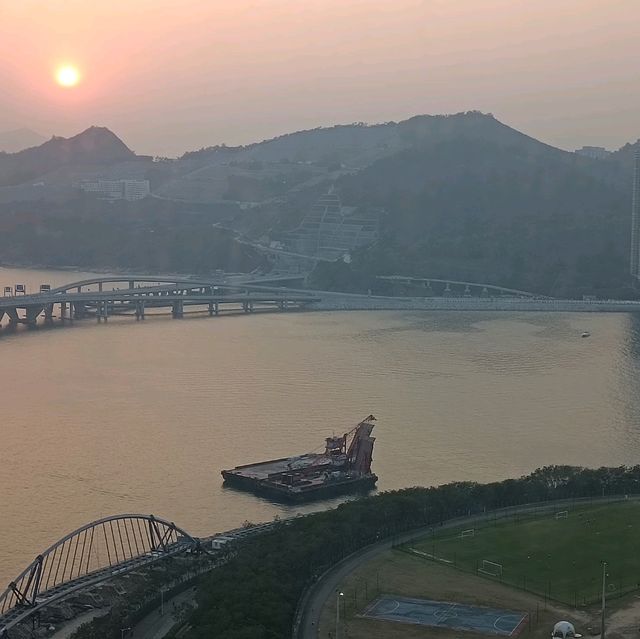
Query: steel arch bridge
87 556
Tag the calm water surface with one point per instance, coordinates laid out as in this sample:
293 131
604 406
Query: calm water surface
142 416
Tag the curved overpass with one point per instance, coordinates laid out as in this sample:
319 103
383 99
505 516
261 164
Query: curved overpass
134 295
484 288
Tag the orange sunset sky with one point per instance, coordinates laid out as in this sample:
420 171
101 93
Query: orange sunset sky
172 75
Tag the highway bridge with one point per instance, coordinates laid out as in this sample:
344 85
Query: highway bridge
453 288
92 554
108 296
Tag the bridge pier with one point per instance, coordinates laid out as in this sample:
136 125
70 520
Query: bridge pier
213 309
102 311
13 315
177 309
48 313
79 310
139 310
31 315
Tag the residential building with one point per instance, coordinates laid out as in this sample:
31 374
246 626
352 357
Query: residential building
117 189
594 152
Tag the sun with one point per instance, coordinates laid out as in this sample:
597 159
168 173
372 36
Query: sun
67 76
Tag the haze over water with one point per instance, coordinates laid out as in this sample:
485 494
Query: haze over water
142 416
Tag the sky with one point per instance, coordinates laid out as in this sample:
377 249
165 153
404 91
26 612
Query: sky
173 75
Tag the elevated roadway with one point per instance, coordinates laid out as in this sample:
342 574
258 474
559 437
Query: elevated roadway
107 296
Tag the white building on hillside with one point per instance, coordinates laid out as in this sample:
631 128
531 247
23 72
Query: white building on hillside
117 189
594 152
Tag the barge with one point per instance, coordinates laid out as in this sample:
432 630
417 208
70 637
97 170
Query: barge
343 467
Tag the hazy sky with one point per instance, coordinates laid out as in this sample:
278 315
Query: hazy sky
172 75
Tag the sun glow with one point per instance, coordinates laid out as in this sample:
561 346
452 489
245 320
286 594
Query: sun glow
67 76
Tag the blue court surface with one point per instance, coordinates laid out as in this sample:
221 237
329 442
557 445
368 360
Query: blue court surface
443 614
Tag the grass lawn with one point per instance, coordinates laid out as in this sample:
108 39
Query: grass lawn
559 558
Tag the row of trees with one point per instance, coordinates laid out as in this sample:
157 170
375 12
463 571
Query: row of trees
255 594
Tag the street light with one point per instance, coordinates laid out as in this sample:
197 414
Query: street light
604 591
340 594
122 631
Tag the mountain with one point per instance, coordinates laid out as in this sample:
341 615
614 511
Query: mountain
19 139
96 145
473 199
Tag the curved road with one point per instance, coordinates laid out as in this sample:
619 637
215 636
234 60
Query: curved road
316 597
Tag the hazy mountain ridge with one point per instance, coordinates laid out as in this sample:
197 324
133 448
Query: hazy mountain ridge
96 145
19 139
484 202
465 196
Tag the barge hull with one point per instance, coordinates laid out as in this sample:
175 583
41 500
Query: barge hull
320 491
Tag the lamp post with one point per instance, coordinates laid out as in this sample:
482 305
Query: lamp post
339 594
122 631
604 592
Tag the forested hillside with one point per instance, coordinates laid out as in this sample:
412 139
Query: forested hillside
482 202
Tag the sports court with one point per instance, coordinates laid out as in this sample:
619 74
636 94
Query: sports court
443 614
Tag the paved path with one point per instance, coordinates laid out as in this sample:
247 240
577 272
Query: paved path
71 626
328 584
156 625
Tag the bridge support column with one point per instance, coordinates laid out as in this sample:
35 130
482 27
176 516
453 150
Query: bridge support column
177 309
79 310
102 311
100 287
48 313
13 316
213 309
31 315
140 310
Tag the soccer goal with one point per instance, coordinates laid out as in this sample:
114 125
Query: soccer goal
490 568
563 514
470 532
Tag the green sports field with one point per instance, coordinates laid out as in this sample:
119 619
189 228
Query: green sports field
560 558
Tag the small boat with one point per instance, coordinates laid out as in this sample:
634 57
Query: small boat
586 334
